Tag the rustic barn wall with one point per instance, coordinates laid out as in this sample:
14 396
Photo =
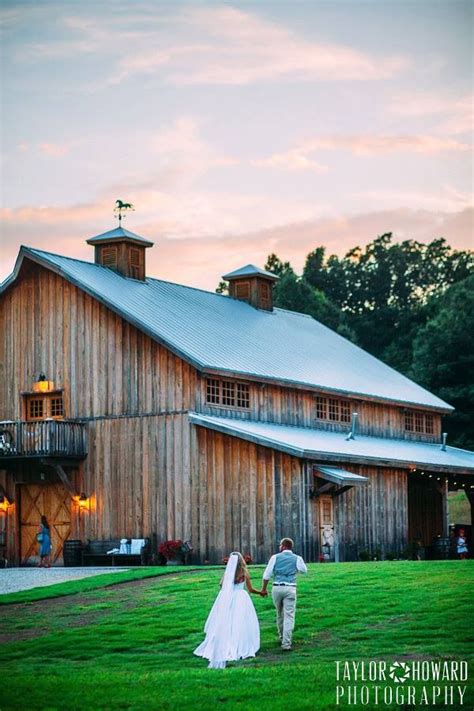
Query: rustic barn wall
247 497
105 366
375 516
273 403
138 476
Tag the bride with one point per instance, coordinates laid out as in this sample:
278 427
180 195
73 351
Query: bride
232 629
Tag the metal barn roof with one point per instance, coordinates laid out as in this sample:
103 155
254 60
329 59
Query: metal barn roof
320 444
248 271
218 333
118 234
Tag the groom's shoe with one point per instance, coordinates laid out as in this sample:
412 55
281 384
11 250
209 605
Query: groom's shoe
286 648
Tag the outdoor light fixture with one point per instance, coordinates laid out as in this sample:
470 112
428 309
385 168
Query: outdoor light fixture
83 501
43 385
4 503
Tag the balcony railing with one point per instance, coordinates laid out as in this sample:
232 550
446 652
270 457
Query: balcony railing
46 438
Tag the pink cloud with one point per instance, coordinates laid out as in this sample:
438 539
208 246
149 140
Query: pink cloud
455 114
55 150
201 260
301 157
235 47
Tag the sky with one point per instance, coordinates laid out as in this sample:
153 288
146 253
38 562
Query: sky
236 129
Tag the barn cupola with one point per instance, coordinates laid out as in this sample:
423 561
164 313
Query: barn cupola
253 285
122 251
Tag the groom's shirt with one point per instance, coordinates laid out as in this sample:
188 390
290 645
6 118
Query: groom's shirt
284 566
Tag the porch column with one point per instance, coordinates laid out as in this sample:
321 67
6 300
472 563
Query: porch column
444 495
470 496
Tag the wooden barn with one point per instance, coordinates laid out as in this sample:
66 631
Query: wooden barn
136 407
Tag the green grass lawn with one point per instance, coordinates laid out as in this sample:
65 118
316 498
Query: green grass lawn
129 645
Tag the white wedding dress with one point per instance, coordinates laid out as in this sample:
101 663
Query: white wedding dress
232 629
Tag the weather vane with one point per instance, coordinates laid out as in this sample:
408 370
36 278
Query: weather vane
122 207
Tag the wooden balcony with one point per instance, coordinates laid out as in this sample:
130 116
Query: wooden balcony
59 439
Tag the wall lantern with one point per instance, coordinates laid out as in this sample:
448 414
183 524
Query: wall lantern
43 385
83 501
4 503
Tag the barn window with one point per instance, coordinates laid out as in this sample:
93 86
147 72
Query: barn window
227 393
57 407
242 290
109 257
321 408
419 422
50 405
332 409
243 396
409 425
213 394
429 424
36 409
327 512
345 411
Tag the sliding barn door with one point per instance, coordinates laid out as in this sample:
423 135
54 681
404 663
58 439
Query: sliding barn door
52 501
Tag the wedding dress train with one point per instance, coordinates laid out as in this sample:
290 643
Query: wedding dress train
232 629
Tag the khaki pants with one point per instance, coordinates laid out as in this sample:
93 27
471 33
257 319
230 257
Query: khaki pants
284 599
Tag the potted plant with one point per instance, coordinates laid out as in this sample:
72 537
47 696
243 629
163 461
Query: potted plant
172 551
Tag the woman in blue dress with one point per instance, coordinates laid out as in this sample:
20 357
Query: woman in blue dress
44 538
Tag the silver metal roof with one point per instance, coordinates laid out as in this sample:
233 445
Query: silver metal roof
250 270
217 333
316 444
119 233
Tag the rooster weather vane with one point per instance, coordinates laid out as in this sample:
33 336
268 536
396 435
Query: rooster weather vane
122 207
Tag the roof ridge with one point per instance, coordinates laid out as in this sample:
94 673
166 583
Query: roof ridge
168 281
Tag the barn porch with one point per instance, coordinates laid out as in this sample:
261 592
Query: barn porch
378 518
38 475
429 523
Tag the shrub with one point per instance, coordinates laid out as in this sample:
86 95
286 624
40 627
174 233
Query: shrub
170 549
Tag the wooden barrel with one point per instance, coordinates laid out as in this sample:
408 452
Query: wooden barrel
441 548
72 553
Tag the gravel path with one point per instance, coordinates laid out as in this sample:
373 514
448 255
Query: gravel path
15 579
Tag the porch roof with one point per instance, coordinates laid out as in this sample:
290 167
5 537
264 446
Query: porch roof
308 443
341 476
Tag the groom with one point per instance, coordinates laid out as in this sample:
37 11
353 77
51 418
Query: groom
283 567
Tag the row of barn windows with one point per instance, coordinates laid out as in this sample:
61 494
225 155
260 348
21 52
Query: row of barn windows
228 393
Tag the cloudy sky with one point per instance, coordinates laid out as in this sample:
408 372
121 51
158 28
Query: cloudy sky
236 129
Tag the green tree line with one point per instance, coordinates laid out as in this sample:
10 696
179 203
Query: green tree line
408 303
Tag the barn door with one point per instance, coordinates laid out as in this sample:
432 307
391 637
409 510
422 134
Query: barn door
326 527
54 501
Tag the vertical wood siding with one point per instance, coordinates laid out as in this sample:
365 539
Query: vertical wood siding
105 365
249 498
375 516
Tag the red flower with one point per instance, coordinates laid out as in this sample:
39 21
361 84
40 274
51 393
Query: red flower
170 549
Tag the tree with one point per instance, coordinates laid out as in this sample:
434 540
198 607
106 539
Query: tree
384 289
443 357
